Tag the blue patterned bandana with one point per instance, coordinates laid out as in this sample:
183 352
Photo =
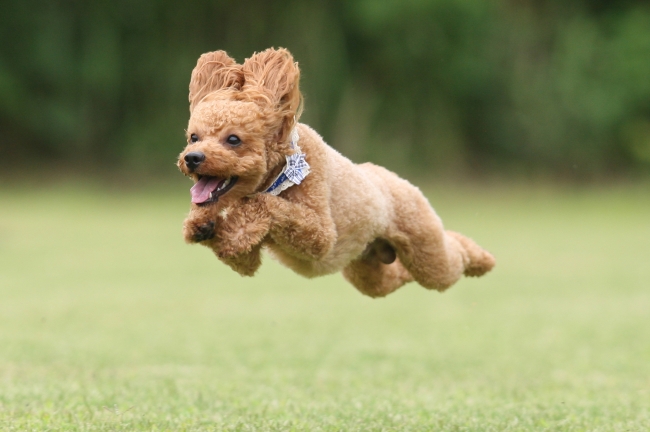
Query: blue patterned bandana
294 172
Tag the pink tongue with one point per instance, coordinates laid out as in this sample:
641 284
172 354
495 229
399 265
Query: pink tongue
201 190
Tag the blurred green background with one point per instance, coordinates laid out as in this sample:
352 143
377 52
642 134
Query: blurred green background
108 322
470 87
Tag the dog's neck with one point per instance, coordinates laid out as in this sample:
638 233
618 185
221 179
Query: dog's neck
271 176
292 170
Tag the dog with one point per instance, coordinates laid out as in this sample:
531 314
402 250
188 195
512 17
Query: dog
263 180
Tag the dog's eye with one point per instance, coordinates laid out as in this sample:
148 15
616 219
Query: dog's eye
233 140
194 138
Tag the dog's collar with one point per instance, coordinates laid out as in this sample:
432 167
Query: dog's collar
294 171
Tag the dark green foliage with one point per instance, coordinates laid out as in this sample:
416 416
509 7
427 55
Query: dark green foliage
550 86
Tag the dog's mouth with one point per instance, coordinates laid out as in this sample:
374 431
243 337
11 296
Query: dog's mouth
208 189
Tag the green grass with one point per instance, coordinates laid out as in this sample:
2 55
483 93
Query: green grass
109 322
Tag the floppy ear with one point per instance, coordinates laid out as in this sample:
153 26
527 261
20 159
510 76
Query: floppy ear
214 71
271 77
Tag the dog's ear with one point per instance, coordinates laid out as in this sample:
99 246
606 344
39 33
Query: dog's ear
214 71
272 77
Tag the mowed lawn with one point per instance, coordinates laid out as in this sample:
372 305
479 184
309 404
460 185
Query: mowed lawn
108 321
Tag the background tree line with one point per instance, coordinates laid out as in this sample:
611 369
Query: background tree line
424 85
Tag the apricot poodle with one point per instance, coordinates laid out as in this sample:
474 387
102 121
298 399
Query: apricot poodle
263 180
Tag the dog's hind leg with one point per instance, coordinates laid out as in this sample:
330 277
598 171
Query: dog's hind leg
377 272
435 258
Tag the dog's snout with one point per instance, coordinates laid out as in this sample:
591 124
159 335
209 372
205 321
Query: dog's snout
193 160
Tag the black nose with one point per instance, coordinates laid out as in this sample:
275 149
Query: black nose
193 160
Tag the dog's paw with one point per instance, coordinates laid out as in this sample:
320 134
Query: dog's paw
196 232
245 264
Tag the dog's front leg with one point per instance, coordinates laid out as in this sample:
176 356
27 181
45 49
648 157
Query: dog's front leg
302 231
205 226
246 264
295 227
242 229
200 224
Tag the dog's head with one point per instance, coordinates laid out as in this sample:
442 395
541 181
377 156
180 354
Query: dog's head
241 118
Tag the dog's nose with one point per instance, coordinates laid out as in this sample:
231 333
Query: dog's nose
193 160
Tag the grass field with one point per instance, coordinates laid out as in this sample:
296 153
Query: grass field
108 321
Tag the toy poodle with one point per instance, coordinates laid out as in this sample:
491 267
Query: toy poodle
263 180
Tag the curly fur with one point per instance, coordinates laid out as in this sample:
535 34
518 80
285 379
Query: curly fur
363 220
